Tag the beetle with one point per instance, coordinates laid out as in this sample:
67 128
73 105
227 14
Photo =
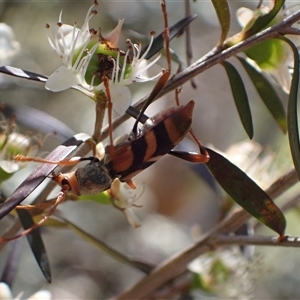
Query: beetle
132 154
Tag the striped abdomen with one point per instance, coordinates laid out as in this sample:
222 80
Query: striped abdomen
159 135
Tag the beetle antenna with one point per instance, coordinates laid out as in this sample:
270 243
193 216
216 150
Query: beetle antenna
165 73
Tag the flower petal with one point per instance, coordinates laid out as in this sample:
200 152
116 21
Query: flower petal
121 98
244 16
5 293
114 36
9 167
8 45
41 295
62 79
283 76
132 218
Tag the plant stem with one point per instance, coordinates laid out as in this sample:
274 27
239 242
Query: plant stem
215 56
176 264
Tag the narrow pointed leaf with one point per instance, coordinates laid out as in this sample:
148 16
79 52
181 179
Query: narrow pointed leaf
259 24
37 120
223 13
267 93
262 21
16 72
246 192
292 111
12 261
240 97
36 243
39 175
174 30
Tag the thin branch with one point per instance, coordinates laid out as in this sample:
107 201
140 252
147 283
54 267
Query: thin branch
115 254
176 264
282 183
214 57
291 203
257 241
101 102
292 30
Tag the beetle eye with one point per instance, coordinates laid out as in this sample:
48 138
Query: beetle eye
65 182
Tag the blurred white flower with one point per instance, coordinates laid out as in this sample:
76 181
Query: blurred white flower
123 199
89 56
9 47
224 272
6 294
273 56
13 143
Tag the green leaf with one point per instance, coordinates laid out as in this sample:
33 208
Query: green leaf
246 192
264 20
292 117
267 93
240 97
223 13
36 243
268 55
158 41
199 282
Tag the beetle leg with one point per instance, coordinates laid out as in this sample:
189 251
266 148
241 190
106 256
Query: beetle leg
37 206
69 162
60 198
195 157
131 183
203 156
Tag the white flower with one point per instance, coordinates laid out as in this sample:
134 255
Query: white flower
224 272
5 294
16 143
87 56
273 56
122 198
13 143
9 47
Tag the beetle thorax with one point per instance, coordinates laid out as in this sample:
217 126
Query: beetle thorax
93 178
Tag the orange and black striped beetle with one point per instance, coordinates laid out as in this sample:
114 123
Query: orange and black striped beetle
134 153
131 155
